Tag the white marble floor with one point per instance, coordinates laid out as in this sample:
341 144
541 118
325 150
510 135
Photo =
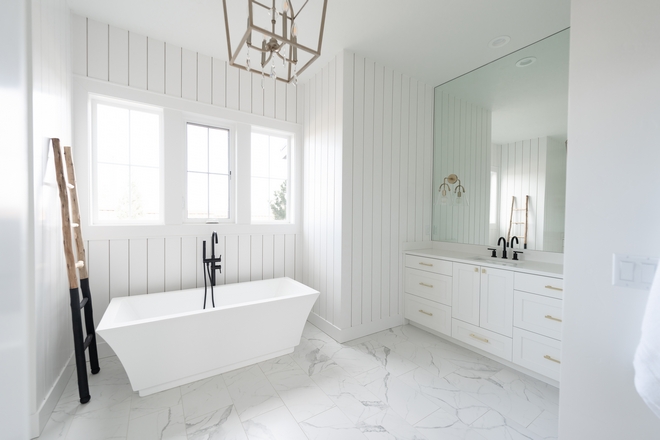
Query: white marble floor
402 384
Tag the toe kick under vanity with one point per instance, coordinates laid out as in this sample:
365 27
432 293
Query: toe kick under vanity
511 311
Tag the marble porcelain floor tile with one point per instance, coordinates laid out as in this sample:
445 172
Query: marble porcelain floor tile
388 359
444 426
59 422
494 426
427 356
142 406
167 423
106 423
251 392
222 424
353 399
299 393
509 405
411 405
275 424
445 395
388 426
105 396
204 396
310 358
539 393
331 425
546 426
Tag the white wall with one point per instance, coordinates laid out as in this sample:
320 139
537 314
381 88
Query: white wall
368 148
51 117
613 190
14 220
463 134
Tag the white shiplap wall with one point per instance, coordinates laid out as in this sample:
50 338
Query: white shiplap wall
463 133
106 53
368 149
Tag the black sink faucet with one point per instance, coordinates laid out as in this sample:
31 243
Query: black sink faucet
502 241
517 242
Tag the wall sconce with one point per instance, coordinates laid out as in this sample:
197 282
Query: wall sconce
446 197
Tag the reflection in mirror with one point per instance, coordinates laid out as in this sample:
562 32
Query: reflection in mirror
500 142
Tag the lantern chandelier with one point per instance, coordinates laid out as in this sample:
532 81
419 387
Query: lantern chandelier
272 35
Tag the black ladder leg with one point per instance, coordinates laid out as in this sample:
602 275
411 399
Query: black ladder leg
79 346
89 326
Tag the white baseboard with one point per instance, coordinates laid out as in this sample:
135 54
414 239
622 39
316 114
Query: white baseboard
39 419
348 334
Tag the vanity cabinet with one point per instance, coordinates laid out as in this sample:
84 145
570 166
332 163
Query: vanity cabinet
513 315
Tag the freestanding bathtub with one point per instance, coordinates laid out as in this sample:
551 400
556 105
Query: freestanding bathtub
166 339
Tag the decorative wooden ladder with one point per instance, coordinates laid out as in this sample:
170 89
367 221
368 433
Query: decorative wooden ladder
80 344
511 222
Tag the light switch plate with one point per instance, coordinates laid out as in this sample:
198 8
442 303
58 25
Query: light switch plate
633 271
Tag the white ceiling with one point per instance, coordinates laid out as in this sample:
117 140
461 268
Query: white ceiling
432 40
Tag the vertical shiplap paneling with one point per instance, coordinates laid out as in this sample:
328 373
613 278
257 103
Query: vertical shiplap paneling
357 188
367 189
403 175
173 256
98 260
278 250
419 181
118 56
268 257
232 87
377 191
188 74
245 90
219 83
290 256
257 93
330 201
137 60
323 171
137 266
199 267
244 262
230 261
155 65
412 159
291 101
280 100
173 70
155 265
316 102
256 258
269 98
204 78
97 50
309 220
119 273
428 160
394 213
189 262
386 205
79 44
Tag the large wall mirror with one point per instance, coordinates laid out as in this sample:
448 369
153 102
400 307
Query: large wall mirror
499 157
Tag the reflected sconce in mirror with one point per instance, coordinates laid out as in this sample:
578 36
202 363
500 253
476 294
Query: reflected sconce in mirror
445 190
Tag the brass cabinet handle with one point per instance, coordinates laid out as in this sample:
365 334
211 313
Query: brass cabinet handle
550 358
483 270
476 269
554 288
553 318
425 312
472 335
426 264
426 285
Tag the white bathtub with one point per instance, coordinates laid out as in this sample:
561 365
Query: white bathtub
166 339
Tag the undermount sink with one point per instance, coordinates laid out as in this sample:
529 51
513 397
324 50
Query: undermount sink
498 261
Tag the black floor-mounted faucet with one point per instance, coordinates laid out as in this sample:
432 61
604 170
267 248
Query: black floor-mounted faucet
502 240
210 266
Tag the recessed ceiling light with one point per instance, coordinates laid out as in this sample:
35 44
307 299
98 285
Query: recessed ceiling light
526 62
499 41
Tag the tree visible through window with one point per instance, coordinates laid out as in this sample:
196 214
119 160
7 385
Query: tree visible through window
270 174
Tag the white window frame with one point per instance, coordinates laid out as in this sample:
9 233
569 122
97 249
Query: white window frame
290 214
203 122
94 101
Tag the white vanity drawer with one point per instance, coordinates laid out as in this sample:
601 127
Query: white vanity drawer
536 352
537 313
486 340
432 286
429 264
541 285
428 313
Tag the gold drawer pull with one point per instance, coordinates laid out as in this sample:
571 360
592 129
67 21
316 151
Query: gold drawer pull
426 285
476 269
426 264
472 335
550 358
554 288
425 312
553 318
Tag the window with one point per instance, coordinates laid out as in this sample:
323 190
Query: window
126 160
270 177
208 172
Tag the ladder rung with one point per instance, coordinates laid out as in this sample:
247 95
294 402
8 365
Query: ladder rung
68 185
88 340
83 303
80 264
75 225
518 223
520 209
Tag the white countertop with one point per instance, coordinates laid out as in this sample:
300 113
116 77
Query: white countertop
525 266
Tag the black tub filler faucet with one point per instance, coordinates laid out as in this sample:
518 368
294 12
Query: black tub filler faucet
210 266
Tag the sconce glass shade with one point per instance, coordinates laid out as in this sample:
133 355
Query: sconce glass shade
444 196
461 199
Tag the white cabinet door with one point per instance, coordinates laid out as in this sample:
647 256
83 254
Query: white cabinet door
465 293
496 305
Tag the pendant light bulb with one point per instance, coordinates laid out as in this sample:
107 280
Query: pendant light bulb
294 29
285 6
